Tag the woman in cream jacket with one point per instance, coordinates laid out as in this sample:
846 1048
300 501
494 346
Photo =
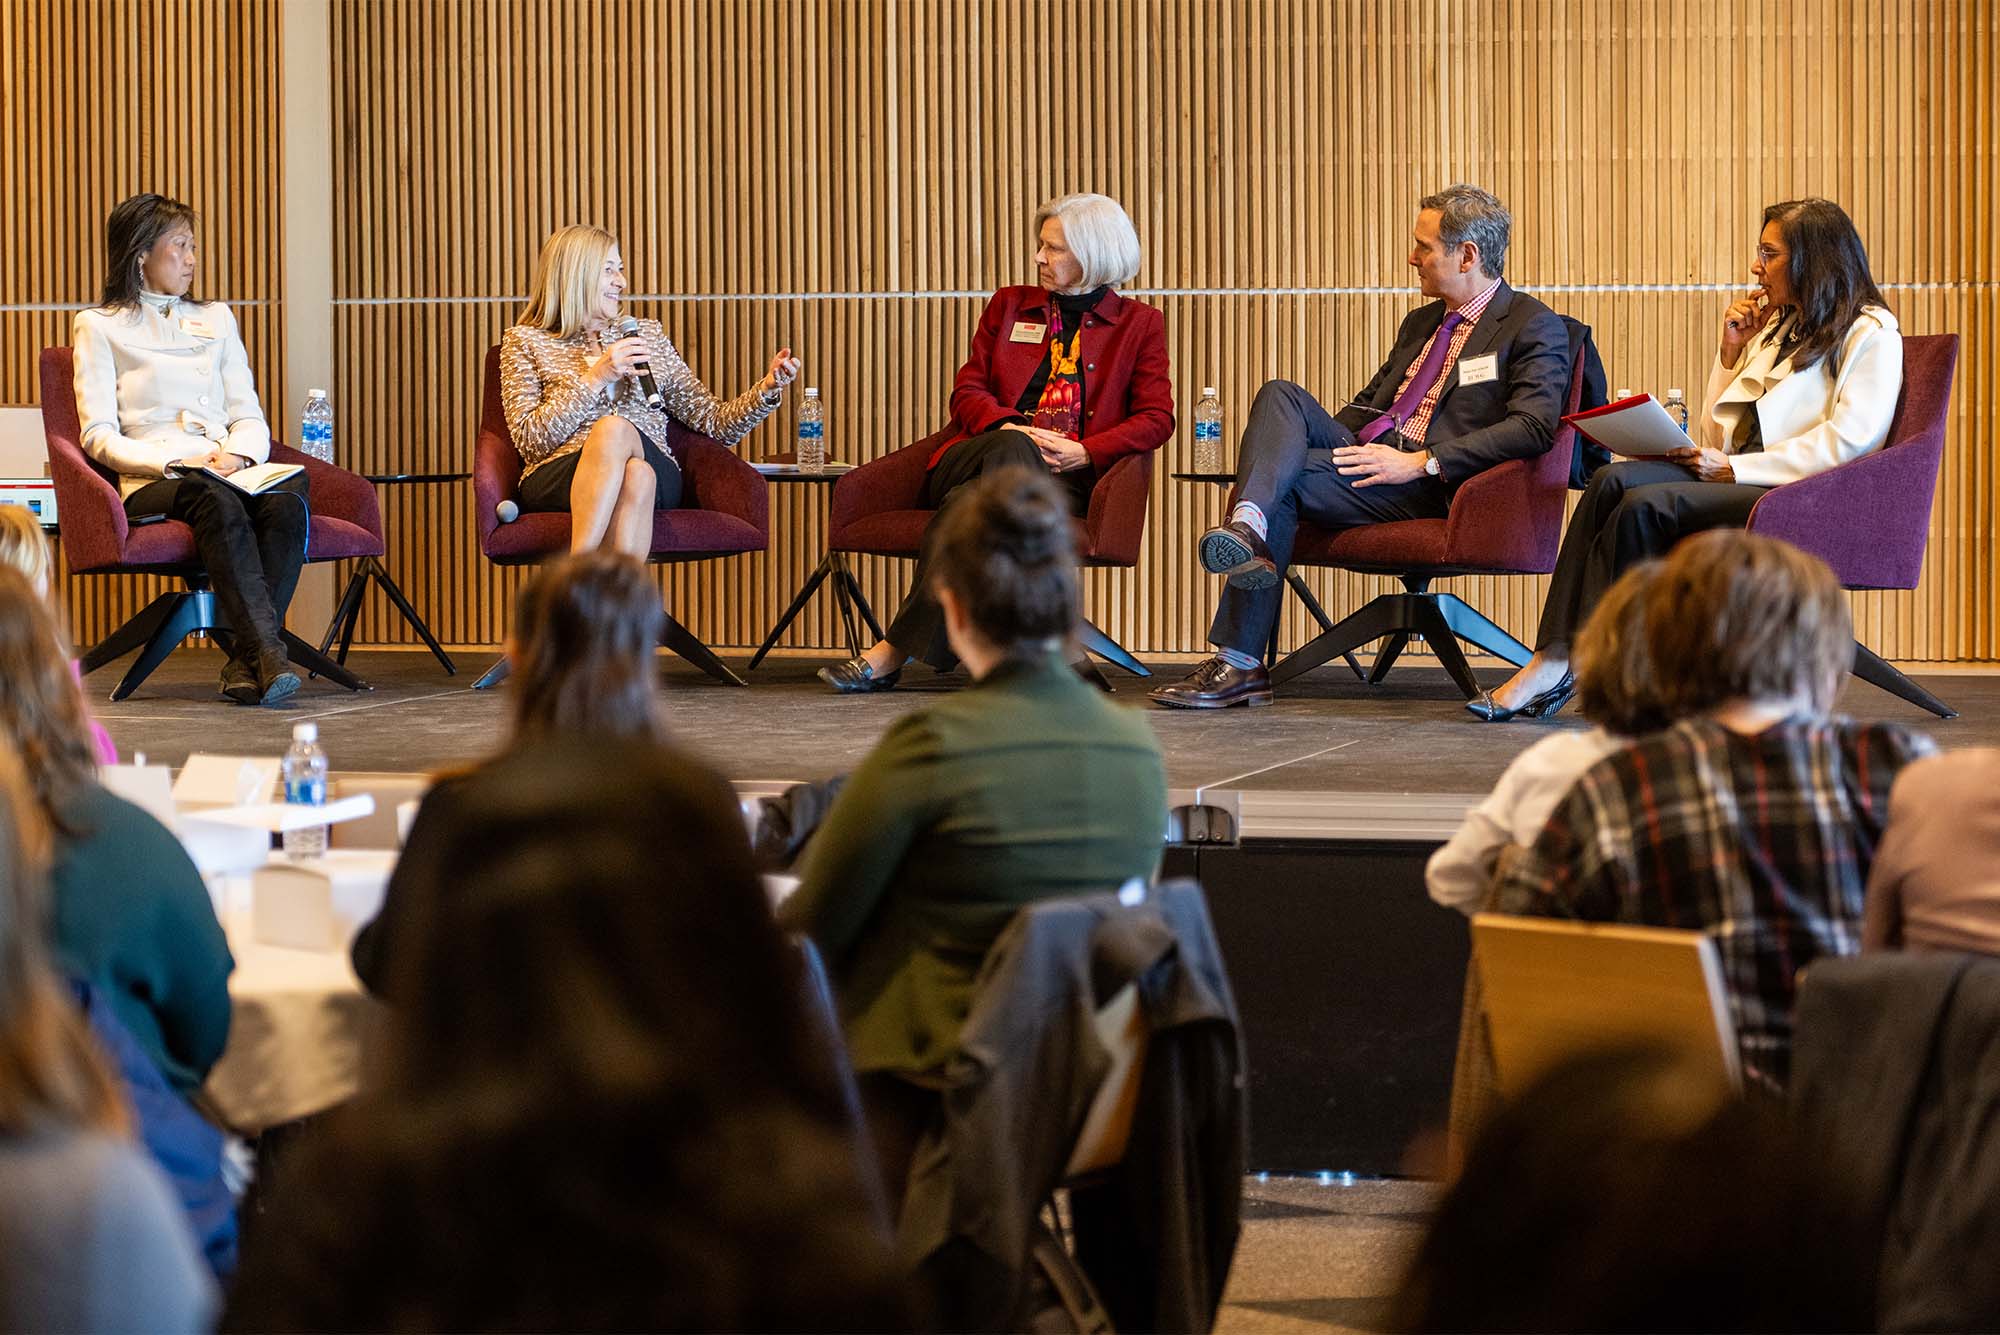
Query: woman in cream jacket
164 391
1806 377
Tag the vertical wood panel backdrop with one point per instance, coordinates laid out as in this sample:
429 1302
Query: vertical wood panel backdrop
102 99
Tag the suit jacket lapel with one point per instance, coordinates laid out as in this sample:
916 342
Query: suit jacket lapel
1485 336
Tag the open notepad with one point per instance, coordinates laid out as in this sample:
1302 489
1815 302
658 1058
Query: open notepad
256 479
1638 428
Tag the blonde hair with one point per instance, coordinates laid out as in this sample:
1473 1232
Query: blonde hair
566 276
1100 235
24 546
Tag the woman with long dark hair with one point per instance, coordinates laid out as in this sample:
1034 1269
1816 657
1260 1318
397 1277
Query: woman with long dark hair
581 654
1806 377
167 402
599 1105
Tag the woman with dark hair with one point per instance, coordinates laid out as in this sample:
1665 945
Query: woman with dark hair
93 1239
1025 786
1754 818
1806 377
581 657
598 1104
165 396
132 916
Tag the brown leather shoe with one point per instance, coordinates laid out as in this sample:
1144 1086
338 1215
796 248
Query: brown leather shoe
1235 550
1216 685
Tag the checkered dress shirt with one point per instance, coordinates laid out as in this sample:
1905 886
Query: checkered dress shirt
1420 420
1763 842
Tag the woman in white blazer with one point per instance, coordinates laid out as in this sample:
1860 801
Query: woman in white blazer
1806 377
163 388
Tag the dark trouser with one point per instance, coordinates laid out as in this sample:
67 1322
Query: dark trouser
1631 511
1284 466
918 630
252 546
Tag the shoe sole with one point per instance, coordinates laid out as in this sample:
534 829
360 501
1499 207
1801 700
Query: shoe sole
842 688
1253 700
1223 553
282 688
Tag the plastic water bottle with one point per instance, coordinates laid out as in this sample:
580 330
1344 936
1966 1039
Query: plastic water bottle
305 786
1677 408
316 426
1208 432
812 434
1621 396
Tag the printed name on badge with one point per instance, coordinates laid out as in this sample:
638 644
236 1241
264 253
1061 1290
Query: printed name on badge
196 328
1479 370
1028 333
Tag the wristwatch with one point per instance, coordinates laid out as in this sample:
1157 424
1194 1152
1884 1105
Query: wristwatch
1431 465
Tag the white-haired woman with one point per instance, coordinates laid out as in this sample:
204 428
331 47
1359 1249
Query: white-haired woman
1066 375
589 441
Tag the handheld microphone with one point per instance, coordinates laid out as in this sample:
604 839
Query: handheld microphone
507 512
644 370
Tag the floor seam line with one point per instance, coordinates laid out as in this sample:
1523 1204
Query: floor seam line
1202 789
373 704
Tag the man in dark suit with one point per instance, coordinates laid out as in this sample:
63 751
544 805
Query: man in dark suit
1476 378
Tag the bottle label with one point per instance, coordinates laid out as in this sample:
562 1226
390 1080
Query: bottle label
305 792
812 430
1208 431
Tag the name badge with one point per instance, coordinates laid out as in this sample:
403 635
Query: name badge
196 328
1028 333
1479 370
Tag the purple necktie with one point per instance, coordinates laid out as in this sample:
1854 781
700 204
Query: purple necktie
1420 383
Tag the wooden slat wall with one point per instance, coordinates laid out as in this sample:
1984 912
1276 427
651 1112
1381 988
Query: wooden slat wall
102 99
850 176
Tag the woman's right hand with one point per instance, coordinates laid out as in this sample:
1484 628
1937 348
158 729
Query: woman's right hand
618 361
1740 323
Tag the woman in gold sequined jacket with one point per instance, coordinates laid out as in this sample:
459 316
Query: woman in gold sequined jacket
590 440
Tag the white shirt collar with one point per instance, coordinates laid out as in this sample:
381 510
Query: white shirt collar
160 302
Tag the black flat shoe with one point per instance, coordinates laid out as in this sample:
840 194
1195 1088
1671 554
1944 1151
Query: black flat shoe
1488 710
856 677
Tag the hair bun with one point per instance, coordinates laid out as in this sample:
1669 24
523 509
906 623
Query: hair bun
1028 522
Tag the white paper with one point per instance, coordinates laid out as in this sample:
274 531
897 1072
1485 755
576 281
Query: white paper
280 816
226 781
1641 431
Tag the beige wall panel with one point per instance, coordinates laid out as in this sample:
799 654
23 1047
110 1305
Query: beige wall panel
849 179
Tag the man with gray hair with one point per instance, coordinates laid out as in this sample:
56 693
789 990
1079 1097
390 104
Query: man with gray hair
1476 377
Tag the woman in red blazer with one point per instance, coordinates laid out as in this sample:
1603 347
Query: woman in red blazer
1066 376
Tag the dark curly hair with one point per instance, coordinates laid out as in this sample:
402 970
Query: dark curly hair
1005 548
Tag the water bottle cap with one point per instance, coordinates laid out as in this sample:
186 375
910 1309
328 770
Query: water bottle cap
305 732
315 393
1673 394
1208 391
812 393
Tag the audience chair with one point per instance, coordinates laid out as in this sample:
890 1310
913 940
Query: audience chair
1870 518
1553 989
1506 520
98 539
724 511
878 510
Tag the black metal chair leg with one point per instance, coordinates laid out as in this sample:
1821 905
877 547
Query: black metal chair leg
389 587
1385 657
1318 613
1872 668
682 641
346 610
1097 642
136 633
191 612
798 605
317 663
849 623
1476 628
845 575
493 676
1437 632
1380 617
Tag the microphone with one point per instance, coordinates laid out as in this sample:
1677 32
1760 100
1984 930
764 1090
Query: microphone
644 370
507 512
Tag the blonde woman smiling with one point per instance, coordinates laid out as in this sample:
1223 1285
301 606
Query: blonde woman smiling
590 442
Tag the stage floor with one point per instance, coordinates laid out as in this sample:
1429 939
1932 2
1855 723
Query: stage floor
1329 739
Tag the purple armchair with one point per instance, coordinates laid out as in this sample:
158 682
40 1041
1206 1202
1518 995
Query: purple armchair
878 510
724 511
98 539
1505 521
1870 518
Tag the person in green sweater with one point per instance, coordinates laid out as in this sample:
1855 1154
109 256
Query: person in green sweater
130 912
1026 786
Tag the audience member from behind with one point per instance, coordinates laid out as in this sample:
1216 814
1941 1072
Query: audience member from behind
1027 785
90 1237
1618 692
1615 1195
581 658
1753 818
1935 884
25 547
598 1105
132 916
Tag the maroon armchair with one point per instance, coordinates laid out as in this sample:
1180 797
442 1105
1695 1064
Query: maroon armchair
724 511
1506 520
1870 518
98 539
878 510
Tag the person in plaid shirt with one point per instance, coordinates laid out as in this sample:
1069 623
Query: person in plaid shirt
1756 816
